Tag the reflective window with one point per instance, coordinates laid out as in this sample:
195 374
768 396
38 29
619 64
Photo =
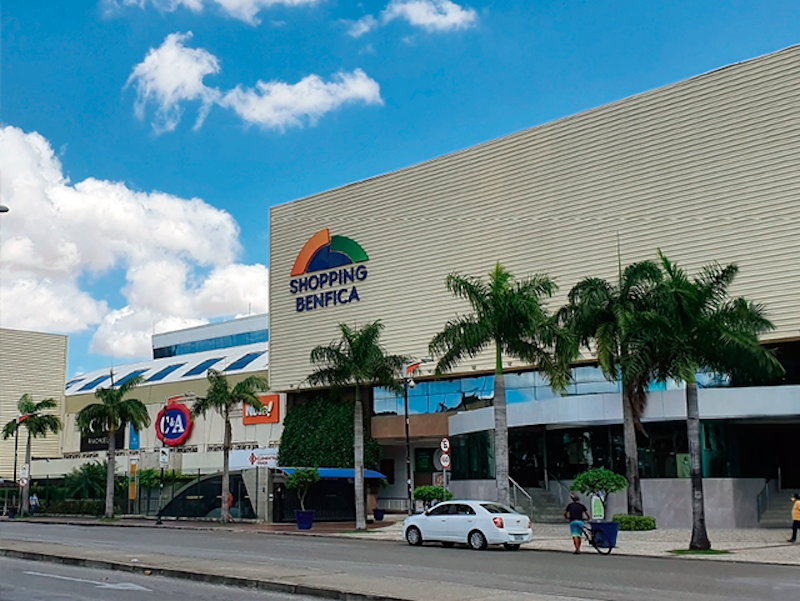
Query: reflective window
93 383
165 372
199 369
243 362
130 376
210 344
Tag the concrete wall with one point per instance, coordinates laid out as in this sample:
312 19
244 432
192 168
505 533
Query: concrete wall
704 169
730 502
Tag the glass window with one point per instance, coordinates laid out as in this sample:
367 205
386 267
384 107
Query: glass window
93 383
461 509
497 508
244 361
199 369
473 455
440 509
165 372
130 376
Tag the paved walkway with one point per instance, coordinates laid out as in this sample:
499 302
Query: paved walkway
751 545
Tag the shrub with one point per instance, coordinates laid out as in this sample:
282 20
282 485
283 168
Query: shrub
429 494
78 507
634 522
301 481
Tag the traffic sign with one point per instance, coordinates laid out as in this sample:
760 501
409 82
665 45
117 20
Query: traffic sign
24 471
163 457
445 460
23 482
445 445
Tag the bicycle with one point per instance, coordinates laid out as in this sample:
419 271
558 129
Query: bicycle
598 540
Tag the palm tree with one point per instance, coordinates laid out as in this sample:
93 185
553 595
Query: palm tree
356 359
702 329
37 424
111 414
223 399
509 315
611 317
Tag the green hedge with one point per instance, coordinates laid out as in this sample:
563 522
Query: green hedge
634 522
77 507
429 494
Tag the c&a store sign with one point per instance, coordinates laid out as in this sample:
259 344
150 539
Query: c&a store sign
174 423
327 271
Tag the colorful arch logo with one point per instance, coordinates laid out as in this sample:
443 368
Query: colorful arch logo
323 252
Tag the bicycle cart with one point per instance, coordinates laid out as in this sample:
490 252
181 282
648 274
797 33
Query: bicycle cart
596 536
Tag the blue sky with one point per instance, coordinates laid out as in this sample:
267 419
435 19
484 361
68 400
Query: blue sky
143 141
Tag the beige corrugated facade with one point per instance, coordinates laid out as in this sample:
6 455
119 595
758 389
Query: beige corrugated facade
30 363
704 169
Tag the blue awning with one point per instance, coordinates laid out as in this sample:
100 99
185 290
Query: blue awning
335 472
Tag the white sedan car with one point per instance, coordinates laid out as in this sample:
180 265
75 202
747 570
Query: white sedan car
476 523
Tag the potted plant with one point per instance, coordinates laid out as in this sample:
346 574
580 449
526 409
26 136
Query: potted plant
301 481
601 482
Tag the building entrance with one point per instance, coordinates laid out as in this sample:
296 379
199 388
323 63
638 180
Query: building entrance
526 456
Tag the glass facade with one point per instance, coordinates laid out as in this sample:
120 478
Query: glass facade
210 344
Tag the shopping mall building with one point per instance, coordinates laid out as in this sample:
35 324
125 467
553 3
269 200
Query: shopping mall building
704 169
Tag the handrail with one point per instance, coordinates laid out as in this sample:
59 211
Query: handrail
516 487
762 500
563 486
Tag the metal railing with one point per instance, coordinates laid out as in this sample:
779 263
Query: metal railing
561 490
762 500
515 490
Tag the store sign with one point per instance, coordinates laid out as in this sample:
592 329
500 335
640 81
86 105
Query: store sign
268 414
248 459
174 423
325 273
99 441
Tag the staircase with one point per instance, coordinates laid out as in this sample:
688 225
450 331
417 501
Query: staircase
547 508
779 513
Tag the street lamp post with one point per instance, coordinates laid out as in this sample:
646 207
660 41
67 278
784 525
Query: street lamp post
408 382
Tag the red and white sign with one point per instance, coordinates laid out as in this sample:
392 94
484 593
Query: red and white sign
445 460
445 445
268 414
174 423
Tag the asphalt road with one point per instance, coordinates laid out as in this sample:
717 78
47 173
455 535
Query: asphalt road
38 581
587 576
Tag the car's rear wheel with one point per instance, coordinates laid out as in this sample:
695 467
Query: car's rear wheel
477 540
511 546
414 536
447 544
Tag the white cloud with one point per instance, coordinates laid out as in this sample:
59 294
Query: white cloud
277 104
364 25
245 10
432 15
171 74
178 255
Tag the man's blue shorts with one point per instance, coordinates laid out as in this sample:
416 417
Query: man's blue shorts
576 527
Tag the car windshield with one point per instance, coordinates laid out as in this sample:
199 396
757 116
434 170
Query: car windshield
497 508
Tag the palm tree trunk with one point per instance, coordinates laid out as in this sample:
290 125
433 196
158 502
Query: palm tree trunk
635 504
225 512
358 454
500 432
699 532
26 489
112 453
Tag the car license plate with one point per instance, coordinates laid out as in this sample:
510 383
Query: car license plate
516 537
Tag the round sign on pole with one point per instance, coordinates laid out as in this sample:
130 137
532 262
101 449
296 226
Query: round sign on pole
23 482
445 460
445 445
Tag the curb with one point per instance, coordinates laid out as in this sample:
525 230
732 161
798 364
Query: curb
251 583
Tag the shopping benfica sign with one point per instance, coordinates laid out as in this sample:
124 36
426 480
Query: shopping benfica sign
174 423
326 272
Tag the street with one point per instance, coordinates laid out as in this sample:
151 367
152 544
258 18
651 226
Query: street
549 574
43 581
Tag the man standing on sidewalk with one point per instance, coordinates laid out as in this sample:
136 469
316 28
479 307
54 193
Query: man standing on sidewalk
795 517
575 513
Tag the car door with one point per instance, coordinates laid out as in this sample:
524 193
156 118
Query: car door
435 524
460 522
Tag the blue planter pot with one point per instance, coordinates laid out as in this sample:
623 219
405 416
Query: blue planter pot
608 533
304 518
379 514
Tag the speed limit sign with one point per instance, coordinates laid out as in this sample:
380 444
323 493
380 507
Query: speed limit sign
445 460
445 445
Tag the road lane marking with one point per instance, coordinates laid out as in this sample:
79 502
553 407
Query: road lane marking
120 586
